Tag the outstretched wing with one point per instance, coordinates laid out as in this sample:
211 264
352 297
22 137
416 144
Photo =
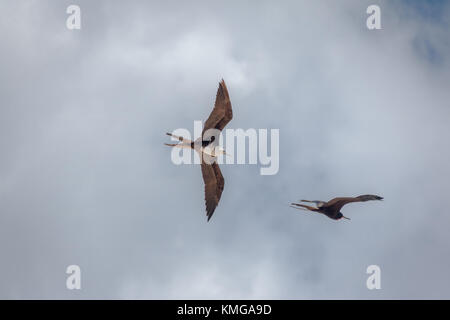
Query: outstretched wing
222 112
214 184
336 204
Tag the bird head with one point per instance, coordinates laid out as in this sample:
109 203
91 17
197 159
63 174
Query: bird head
340 216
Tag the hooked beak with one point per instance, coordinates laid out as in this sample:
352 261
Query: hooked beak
222 151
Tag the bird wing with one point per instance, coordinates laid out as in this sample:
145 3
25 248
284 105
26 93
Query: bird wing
214 184
222 112
336 204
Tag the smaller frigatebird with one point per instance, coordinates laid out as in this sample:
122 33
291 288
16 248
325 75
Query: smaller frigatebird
332 208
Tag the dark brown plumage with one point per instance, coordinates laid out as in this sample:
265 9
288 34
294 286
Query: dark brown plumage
222 112
214 184
333 207
212 177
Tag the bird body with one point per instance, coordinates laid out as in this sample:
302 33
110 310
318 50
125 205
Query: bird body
332 208
208 150
204 148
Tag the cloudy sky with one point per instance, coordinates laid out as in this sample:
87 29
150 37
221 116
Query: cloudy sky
85 178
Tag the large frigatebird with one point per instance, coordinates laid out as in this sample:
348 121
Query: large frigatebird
207 148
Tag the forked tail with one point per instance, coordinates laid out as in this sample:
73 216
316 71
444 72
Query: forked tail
302 207
179 138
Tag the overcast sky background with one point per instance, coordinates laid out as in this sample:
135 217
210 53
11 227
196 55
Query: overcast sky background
85 178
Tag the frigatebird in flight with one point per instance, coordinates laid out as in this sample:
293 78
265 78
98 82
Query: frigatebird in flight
332 208
207 148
